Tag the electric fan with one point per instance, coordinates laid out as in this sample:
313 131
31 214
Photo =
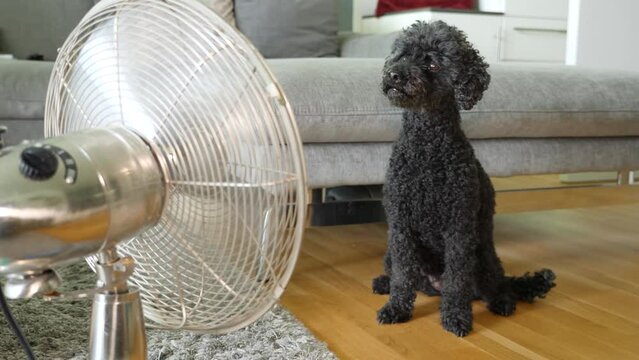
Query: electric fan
172 159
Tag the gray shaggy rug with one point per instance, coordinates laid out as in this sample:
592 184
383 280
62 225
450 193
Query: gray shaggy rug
60 331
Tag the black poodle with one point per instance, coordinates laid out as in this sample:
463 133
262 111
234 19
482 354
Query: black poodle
438 199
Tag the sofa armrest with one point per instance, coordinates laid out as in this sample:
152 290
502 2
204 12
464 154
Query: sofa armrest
356 45
23 88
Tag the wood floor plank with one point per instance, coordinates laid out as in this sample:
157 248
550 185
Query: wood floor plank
359 304
501 346
595 338
591 314
565 198
320 319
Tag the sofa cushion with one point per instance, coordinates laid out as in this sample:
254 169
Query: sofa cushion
339 100
22 129
224 8
23 88
359 45
285 29
341 164
36 26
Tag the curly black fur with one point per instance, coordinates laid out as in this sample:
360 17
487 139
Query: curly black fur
438 199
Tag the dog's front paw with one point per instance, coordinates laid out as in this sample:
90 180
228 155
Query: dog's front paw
381 285
390 314
502 306
458 324
458 320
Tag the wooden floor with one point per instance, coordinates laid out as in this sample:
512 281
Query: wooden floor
593 313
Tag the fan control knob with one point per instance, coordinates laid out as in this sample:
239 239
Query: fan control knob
38 163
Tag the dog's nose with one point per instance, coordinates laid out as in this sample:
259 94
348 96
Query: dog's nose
394 76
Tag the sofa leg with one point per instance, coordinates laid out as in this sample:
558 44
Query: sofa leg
625 177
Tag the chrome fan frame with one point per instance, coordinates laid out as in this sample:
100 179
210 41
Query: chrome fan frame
204 101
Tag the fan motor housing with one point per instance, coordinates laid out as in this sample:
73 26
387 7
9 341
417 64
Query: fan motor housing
107 186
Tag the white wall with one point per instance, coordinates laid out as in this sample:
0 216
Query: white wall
603 34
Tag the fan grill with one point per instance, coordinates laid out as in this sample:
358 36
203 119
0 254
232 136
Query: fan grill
199 94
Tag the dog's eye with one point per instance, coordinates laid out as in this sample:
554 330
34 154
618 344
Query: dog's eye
434 67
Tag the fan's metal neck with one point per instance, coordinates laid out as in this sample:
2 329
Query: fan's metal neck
117 323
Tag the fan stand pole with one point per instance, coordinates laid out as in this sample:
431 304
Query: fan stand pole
117 323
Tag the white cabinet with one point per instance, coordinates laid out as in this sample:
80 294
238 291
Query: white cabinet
545 9
533 40
482 30
491 5
528 31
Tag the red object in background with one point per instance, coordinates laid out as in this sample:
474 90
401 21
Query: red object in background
386 6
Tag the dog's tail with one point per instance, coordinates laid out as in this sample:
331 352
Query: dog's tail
528 287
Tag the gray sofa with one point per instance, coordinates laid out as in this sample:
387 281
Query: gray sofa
532 120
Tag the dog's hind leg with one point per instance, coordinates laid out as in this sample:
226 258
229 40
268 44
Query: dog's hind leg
491 283
490 280
403 279
381 284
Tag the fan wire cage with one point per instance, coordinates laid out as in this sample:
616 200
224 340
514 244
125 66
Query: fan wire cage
198 93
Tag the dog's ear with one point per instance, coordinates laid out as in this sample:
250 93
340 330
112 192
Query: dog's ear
472 77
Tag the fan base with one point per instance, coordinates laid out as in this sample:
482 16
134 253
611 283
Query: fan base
117 327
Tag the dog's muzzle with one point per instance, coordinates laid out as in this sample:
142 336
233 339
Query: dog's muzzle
399 84
393 85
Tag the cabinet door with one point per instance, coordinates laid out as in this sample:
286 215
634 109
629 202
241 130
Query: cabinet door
534 40
551 9
483 31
